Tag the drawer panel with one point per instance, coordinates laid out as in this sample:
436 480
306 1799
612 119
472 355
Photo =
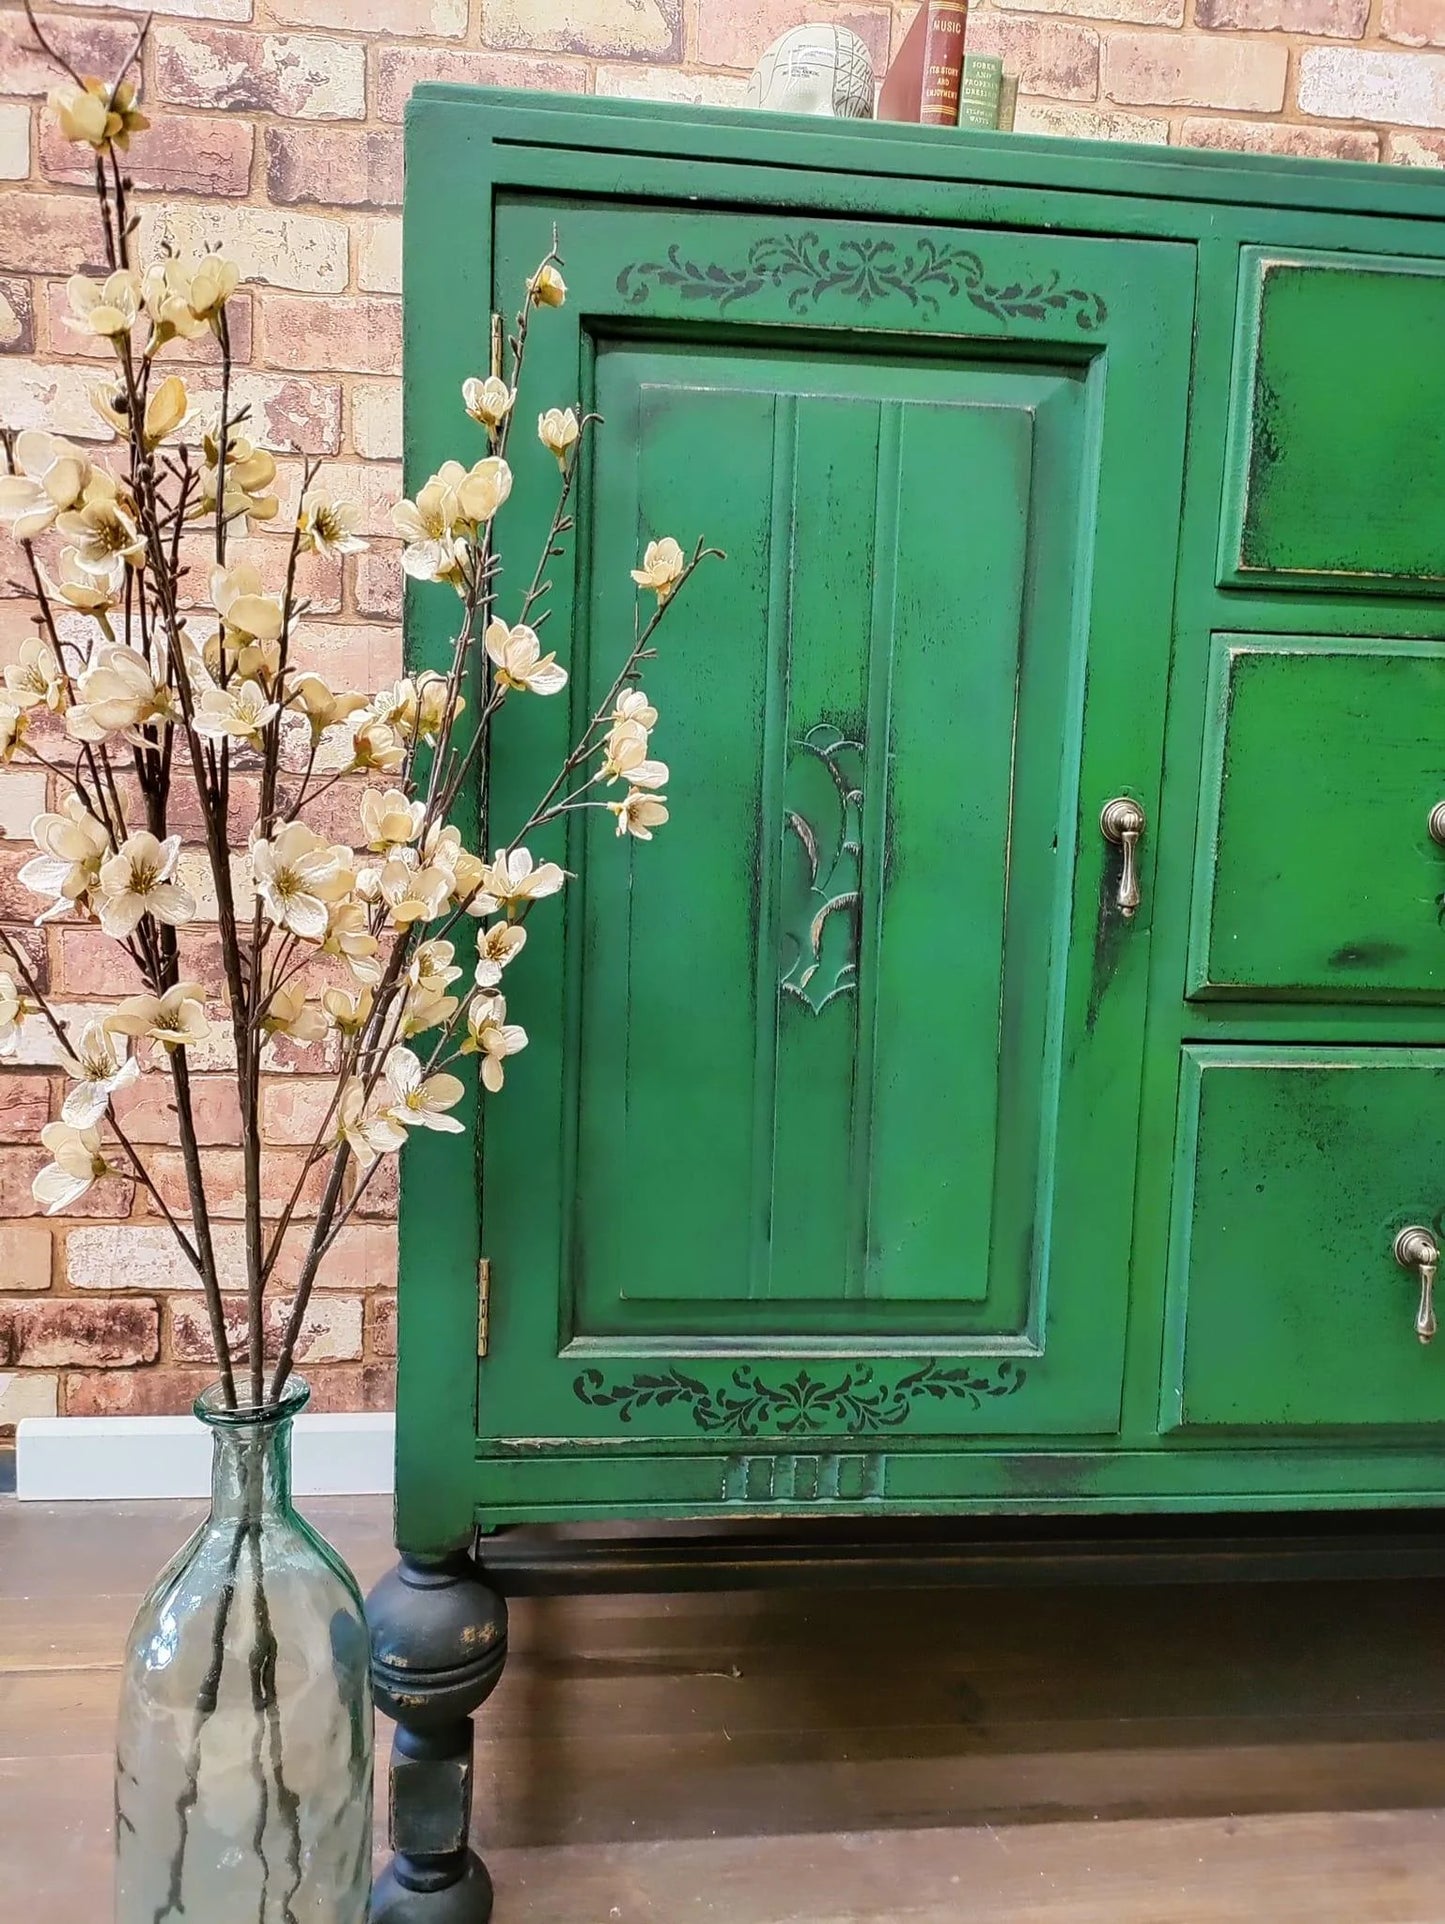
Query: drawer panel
1296 1170
1336 466
1315 873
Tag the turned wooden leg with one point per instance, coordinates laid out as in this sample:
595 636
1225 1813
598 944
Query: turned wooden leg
438 1644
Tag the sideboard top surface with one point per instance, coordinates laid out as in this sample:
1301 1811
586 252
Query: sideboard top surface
747 138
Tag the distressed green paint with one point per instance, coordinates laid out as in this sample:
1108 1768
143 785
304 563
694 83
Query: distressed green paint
847 367
1337 465
1272 1236
1316 873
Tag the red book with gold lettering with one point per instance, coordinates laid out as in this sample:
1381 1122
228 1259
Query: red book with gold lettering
925 81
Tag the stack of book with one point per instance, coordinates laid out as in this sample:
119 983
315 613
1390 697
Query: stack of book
937 83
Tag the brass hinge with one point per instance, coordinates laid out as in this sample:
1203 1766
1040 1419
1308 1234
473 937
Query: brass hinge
498 337
484 1303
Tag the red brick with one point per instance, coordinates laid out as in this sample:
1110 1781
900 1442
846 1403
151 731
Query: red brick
26 1105
274 245
297 74
1053 58
363 655
331 1332
377 582
629 29
361 335
94 46
147 1109
295 1109
50 233
372 1386
1356 83
1194 70
405 19
1269 137
334 166
732 33
318 581
398 69
195 154
382 1192
90 963
97 1332
25 1252
1414 23
362 1259
112 1196
17 316
31 944
225 1181
1417 149
135 1392
1336 19
381 1324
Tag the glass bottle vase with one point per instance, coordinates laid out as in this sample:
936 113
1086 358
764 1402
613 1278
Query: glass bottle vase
244 1750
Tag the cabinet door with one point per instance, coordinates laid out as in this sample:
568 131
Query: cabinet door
828 1122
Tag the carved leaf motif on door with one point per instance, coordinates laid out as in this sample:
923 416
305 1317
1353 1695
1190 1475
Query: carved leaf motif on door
863 271
822 890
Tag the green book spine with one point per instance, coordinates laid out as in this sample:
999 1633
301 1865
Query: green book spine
1008 102
982 76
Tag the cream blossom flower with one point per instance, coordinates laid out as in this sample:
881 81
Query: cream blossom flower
376 748
98 114
72 845
298 876
635 709
365 1125
249 473
77 1162
136 881
639 813
92 592
489 402
435 547
348 935
558 430
241 710
512 879
320 704
432 966
662 568
175 1019
443 849
102 529
12 1007
50 477
252 621
483 488
520 663
492 1037
165 410
348 1012
117 692
97 1070
432 696
164 289
290 1012
389 817
36 680
419 1101
546 288
423 1009
14 724
410 890
496 947
625 759
105 308
329 527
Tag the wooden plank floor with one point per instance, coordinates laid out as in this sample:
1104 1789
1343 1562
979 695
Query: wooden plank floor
1213 1754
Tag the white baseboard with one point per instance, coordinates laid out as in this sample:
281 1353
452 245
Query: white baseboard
108 1458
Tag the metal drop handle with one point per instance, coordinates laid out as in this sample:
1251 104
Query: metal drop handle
1437 822
1123 822
1416 1248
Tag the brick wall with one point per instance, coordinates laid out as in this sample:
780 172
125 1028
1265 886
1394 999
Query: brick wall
280 133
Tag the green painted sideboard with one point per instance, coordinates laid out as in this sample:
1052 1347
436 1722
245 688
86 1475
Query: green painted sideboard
1010 1080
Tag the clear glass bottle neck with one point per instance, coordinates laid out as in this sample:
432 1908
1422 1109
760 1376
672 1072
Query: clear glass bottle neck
250 1469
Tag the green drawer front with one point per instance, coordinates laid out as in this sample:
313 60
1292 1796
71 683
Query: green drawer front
1296 1171
1336 459
1316 877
